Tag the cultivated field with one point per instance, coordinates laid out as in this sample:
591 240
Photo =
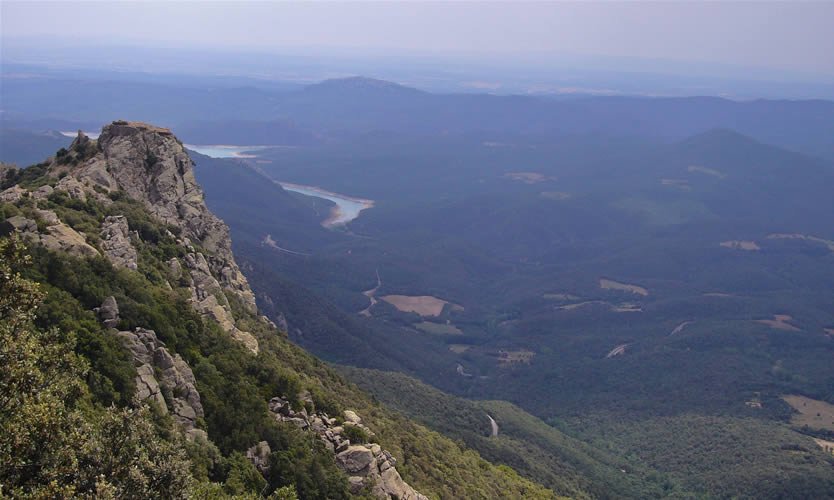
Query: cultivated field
813 413
424 305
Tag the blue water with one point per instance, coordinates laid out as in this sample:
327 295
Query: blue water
347 208
223 151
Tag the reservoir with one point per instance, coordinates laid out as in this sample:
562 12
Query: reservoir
347 207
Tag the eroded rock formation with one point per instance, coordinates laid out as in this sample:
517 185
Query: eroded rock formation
367 465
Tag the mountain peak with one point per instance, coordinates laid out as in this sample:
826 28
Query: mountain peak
361 84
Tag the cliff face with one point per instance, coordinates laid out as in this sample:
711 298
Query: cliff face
149 164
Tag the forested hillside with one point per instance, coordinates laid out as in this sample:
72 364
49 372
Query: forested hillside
138 366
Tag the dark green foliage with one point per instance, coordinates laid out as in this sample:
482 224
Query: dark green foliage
355 434
301 459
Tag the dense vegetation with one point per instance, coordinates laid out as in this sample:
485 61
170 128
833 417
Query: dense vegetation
525 261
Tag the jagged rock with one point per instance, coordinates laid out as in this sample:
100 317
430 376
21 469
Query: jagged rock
259 456
42 192
150 165
72 187
21 224
115 244
355 484
58 236
158 369
356 459
175 268
12 194
352 417
49 217
208 298
367 466
108 313
147 387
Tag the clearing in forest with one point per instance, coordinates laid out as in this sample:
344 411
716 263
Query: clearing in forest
812 412
741 245
439 328
607 284
424 305
527 177
797 236
708 171
780 322
508 358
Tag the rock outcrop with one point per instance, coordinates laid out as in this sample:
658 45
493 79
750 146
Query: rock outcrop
55 236
367 466
116 244
161 377
150 165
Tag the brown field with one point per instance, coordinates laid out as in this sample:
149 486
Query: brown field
508 358
424 305
796 236
527 177
624 287
459 348
741 245
439 328
813 413
780 322
708 171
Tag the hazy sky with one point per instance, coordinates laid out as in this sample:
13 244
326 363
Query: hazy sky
788 36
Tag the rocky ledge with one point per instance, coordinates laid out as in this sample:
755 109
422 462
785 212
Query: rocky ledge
369 468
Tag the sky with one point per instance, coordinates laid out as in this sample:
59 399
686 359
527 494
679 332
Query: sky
792 36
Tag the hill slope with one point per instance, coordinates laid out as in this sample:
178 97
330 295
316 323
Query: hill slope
134 265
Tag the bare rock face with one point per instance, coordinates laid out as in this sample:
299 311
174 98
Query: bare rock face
108 313
12 194
57 235
259 456
116 244
162 377
150 165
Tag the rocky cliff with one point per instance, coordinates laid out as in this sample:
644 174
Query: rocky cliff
149 164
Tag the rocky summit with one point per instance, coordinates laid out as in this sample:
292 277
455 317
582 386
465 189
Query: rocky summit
150 165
